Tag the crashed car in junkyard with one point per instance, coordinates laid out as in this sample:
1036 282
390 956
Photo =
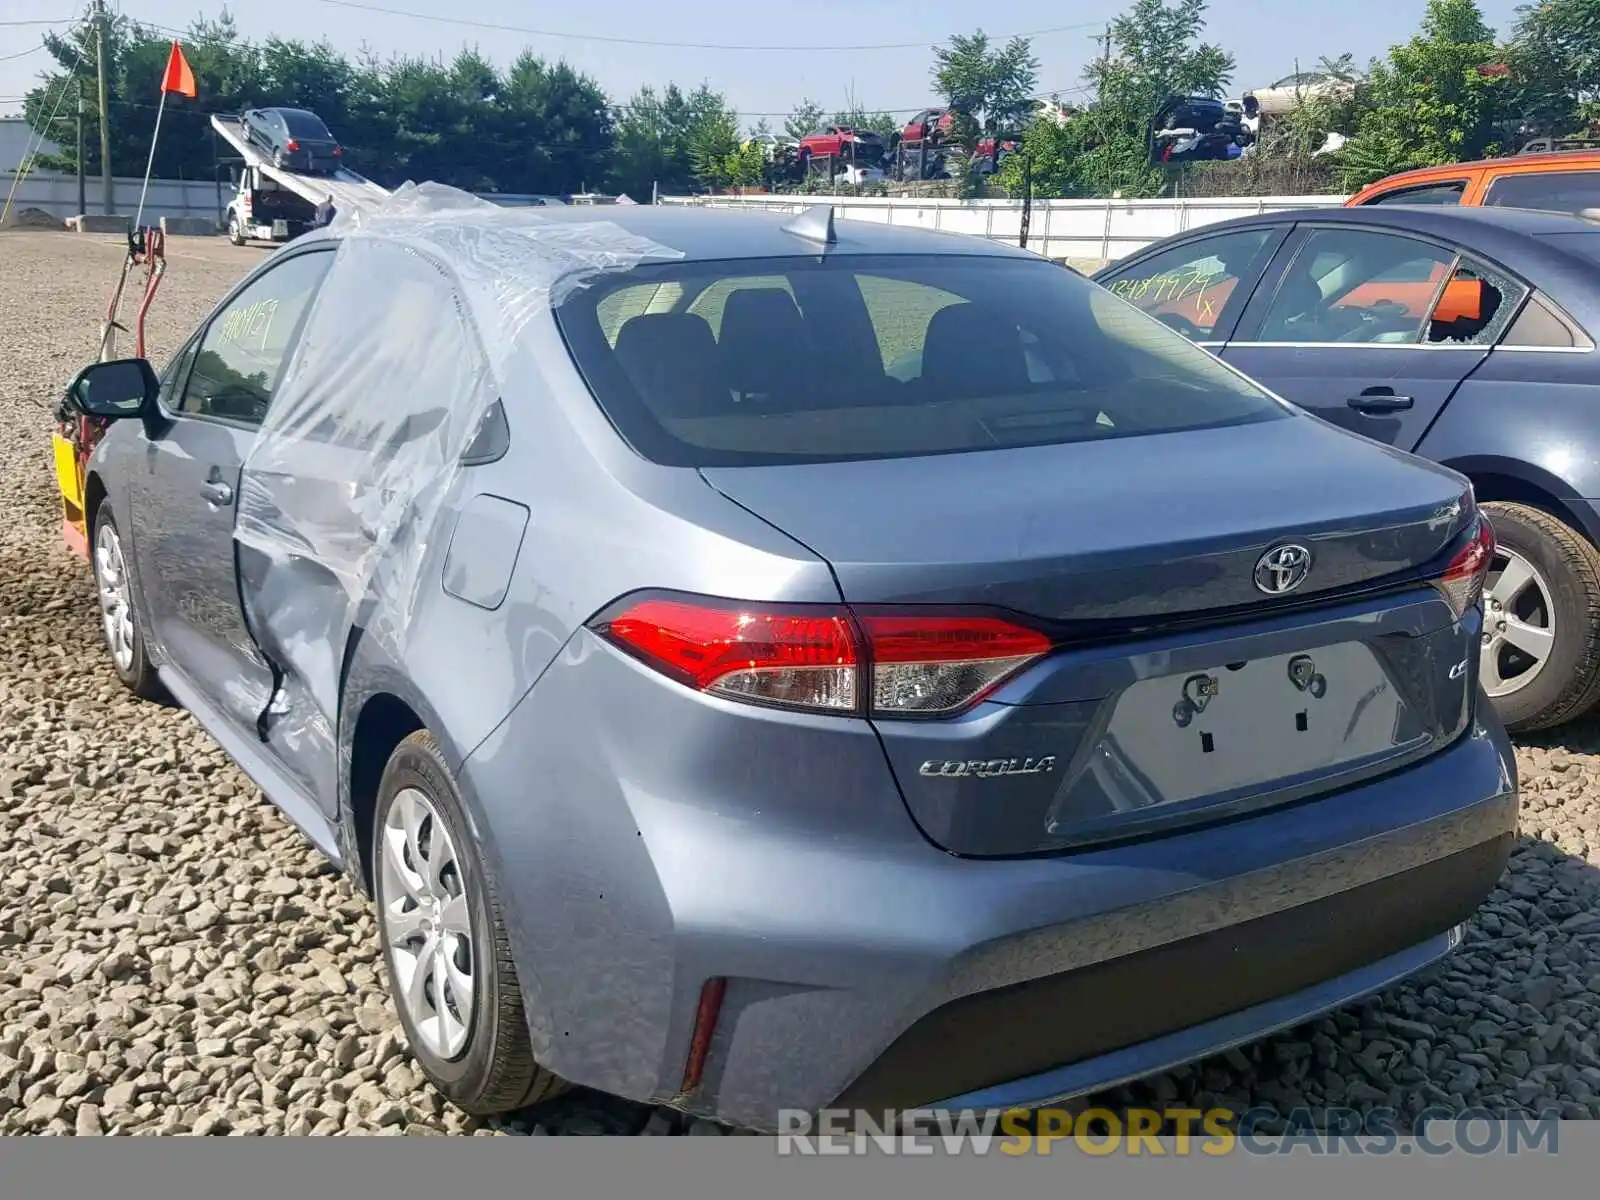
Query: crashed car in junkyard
727 724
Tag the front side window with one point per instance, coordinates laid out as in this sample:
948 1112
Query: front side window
243 352
1188 286
1474 307
1433 193
757 362
1356 286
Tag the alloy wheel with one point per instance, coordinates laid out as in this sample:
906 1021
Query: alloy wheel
1519 625
116 604
428 923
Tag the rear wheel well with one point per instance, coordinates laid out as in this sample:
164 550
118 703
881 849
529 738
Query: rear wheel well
1489 487
385 722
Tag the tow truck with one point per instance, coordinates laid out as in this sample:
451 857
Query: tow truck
275 204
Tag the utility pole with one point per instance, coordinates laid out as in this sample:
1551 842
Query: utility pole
83 200
1104 39
110 198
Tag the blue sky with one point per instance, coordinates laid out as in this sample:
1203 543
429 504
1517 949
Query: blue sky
1265 37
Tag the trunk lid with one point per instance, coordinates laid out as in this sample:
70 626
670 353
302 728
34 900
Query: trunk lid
1181 691
1116 530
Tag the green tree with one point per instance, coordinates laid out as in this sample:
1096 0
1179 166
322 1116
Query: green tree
1430 101
807 117
1554 56
714 143
881 123
659 135
225 67
990 86
540 127
1103 149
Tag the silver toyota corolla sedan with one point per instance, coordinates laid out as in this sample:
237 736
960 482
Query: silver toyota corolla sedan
755 664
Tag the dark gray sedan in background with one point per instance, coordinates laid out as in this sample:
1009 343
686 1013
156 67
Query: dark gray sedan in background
294 138
722 720
1465 335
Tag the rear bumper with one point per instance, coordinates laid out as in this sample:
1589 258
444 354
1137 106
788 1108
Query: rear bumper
1118 1019
647 840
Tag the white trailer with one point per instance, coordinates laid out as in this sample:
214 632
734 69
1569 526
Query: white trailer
273 204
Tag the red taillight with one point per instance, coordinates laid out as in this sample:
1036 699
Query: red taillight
294 146
1462 581
813 657
337 151
799 658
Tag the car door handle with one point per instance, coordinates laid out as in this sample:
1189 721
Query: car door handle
1376 401
216 492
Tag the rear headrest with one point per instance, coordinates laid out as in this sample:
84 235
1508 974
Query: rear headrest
1299 296
765 344
970 350
671 360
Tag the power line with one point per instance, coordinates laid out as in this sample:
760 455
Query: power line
57 21
36 142
663 45
22 53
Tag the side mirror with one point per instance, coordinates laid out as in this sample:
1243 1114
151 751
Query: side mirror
124 387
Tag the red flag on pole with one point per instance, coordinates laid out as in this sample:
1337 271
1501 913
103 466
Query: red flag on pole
178 78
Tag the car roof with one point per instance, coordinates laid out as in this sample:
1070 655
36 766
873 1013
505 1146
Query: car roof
706 234
1558 160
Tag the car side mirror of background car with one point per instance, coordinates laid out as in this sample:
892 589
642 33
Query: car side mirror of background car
124 387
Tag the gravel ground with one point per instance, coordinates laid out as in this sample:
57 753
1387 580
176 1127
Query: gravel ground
174 958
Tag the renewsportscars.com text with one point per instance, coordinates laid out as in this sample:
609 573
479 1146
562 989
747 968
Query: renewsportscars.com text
1171 1132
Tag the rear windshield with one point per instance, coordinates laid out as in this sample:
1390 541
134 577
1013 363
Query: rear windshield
790 360
303 124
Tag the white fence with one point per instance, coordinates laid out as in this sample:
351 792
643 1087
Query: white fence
57 194
1088 232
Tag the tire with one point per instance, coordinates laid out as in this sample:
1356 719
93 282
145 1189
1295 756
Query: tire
491 1069
235 229
1543 569
121 623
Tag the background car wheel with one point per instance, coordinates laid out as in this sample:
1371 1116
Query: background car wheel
1540 659
119 616
235 229
444 944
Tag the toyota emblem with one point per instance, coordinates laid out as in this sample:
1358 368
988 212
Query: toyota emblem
1282 569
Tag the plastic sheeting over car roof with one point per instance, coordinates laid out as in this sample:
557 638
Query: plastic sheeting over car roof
400 361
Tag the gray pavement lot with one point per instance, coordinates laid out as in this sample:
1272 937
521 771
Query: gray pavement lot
175 958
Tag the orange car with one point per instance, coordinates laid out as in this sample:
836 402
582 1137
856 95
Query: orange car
1566 181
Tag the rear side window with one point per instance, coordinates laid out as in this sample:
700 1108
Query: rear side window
849 357
1554 191
1540 326
1430 193
1189 286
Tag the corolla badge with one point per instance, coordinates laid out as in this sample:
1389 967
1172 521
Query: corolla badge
988 768
1283 568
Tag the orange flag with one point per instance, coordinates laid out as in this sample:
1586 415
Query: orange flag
178 78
